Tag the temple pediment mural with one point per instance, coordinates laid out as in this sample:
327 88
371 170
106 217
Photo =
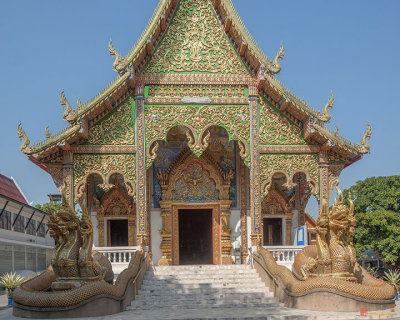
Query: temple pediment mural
195 43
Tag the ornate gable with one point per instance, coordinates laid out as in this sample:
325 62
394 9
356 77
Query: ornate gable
117 128
275 128
195 43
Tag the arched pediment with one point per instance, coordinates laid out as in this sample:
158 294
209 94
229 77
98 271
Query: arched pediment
275 202
116 202
195 178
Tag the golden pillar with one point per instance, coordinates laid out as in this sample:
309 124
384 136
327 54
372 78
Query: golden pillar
226 232
255 187
166 234
68 176
141 208
243 212
288 217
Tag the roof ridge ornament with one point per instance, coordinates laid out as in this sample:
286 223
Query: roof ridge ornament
119 62
275 67
25 140
47 132
79 103
325 116
69 114
364 148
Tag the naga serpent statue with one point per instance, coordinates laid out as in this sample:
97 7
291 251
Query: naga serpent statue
328 271
79 281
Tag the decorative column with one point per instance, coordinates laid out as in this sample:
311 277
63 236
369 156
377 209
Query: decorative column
323 182
243 211
288 217
100 227
299 203
68 177
141 208
165 233
255 187
226 232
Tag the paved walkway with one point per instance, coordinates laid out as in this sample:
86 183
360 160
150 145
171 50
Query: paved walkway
234 313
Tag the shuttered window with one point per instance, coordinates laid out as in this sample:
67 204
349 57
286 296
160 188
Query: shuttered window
19 223
5 220
31 229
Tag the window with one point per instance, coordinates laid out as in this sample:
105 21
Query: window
5 220
31 229
42 230
19 223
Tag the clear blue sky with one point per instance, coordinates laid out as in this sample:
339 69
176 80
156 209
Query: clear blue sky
349 47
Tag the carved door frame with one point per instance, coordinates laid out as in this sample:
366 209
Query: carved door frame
215 208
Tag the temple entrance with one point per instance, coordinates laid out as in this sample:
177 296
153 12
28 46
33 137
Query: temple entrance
118 233
195 236
272 232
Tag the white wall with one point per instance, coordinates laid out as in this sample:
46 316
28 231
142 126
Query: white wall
156 225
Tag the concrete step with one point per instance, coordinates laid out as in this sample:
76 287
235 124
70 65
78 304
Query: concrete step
206 296
147 305
200 281
156 292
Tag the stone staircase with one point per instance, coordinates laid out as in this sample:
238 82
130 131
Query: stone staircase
203 287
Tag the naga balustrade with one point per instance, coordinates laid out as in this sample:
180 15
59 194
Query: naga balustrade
118 256
284 255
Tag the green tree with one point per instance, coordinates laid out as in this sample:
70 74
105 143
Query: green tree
47 206
377 209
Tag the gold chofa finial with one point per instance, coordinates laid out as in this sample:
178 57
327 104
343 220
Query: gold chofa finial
24 138
364 148
69 114
275 67
47 132
119 62
325 116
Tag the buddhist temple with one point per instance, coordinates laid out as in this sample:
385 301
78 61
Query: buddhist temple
195 151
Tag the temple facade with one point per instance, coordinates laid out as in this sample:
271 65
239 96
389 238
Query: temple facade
195 151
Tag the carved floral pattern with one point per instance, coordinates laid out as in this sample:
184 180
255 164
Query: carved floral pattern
160 119
277 129
201 90
104 164
289 164
195 42
116 129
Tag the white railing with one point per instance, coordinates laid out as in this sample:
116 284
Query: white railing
118 256
284 255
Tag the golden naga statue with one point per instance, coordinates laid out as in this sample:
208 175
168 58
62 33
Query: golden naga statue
25 140
275 67
336 255
69 114
73 259
364 148
119 62
325 116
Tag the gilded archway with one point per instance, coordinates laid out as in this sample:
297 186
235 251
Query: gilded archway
181 188
116 203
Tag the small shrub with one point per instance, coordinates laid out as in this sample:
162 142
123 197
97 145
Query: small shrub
10 281
393 278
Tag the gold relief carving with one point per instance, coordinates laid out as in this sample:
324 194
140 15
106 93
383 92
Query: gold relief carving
275 202
334 173
289 149
195 42
104 165
103 149
160 119
277 129
255 181
56 172
117 203
243 212
213 100
208 80
117 129
67 183
201 90
216 233
289 164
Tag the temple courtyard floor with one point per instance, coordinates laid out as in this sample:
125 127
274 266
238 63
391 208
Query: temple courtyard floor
233 313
